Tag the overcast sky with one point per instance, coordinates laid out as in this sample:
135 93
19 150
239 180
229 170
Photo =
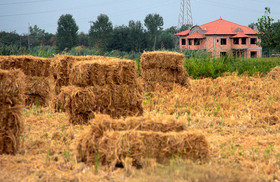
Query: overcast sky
15 15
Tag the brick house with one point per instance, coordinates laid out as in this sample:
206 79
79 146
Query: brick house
222 37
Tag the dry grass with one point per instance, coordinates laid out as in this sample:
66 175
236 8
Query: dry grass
239 117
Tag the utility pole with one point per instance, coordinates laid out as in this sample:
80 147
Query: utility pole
28 40
185 15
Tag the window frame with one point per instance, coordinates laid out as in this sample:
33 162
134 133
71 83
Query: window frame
223 41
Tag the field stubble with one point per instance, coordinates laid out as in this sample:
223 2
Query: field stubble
239 117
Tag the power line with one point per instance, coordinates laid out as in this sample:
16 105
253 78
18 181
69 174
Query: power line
24 2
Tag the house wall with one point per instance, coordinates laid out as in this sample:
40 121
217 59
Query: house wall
212 44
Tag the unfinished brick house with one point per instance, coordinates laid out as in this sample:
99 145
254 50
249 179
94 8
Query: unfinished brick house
222 37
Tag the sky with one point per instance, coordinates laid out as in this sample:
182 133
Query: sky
17 15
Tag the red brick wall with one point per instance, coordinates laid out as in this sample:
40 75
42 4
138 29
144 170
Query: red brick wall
213 45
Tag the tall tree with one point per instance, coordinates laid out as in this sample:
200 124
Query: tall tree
136 37
119 39
83 39
37 35
101 32
67 32
154 23
265 29
276 35
167 38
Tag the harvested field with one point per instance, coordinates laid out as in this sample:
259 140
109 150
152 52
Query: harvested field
237 115
163 68
12 87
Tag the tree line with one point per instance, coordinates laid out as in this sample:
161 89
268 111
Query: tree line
101 36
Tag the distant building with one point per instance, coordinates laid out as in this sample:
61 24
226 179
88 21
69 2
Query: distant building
222 37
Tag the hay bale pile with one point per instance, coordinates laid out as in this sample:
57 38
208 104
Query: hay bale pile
12 88
163 69
108 86
38 77
138 138
62 66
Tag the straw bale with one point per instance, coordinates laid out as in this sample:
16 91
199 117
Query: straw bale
165 75
38 89
102 72
62 65
274 73
11 127
162 59
12 87
30 65
114 146
115 100
164 123
78 102
159 86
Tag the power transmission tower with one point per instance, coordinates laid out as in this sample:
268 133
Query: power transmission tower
185 15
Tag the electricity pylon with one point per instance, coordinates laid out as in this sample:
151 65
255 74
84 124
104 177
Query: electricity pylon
185 15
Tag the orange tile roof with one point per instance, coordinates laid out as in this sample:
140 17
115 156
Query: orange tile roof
240 35
195 35
186 32
221 27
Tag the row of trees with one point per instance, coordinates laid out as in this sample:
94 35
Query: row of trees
102 36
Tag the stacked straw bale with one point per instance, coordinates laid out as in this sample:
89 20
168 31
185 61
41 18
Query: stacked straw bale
38 77
12 88
164 69
138 138
62 66
108 86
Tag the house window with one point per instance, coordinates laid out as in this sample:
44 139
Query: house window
183 41
223 41
236 41
223 54
190 41
196 42
253 54
243 41
253 40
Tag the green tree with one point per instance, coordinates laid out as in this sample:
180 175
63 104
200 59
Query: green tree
101 33
265 29
167 38
10 38
276 35
154 23
185 27
252 25
119 39
67 32
136 36
36 36
83 39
